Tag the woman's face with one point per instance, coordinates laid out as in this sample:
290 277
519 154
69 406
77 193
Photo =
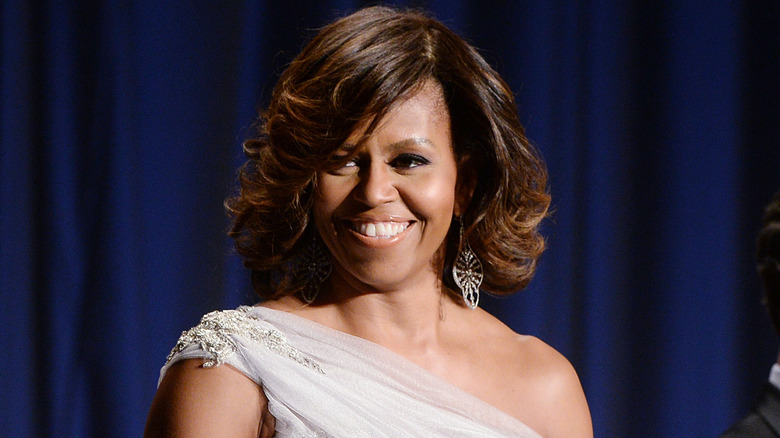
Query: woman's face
385 212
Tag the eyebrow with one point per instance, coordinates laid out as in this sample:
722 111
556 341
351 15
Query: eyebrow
415 139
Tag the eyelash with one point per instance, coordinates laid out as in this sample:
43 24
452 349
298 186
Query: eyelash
403 161
410 161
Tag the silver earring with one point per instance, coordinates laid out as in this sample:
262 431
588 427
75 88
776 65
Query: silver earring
467 272
313 266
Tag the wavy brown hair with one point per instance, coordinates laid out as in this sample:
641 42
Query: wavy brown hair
354 70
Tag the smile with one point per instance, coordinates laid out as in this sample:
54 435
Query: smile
379 230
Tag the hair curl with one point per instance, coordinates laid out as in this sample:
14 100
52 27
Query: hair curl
768 258
354 70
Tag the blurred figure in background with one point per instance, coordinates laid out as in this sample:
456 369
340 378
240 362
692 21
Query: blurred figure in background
764 419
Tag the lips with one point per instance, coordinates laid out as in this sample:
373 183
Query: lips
379 230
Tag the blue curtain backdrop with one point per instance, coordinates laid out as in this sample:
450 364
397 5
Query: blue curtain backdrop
120 132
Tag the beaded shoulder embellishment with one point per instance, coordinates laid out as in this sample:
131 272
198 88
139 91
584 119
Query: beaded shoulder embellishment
213 335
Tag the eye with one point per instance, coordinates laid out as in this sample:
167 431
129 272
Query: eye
409 161
343 165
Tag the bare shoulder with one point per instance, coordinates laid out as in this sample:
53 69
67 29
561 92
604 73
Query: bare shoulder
539 385
193 401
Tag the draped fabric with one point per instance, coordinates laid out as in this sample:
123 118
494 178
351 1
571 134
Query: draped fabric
120 133
322 382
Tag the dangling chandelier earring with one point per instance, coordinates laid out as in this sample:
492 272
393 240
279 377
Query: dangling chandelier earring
467 271
313 266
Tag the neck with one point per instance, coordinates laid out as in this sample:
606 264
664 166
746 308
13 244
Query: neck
406 318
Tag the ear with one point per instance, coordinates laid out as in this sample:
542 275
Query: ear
464 186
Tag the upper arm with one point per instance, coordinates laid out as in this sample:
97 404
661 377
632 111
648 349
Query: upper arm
193 401
565 409
573 418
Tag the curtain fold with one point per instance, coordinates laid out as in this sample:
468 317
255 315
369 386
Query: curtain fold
120 135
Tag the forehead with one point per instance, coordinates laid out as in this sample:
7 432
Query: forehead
423 110
430 97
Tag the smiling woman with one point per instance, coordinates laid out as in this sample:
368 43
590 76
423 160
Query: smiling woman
385 213
389 181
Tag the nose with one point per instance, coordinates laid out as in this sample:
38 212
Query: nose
375 186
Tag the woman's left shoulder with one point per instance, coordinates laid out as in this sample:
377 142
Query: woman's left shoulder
530 353
543 366
538 356
531 362
539 378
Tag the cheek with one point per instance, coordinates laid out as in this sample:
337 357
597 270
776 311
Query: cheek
323 215
435 199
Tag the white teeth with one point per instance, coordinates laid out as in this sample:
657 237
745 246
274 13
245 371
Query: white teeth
380 229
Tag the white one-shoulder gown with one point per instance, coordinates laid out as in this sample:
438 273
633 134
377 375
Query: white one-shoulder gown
321 382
